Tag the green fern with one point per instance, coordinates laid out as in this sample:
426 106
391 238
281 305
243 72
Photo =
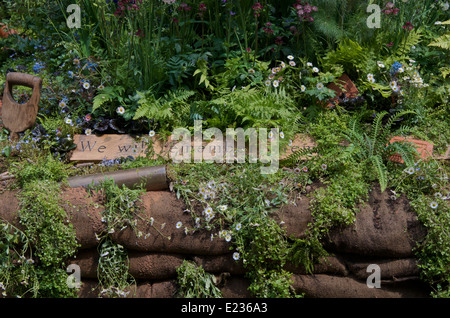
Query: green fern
108 94
381 170
375 148
163 109
443 41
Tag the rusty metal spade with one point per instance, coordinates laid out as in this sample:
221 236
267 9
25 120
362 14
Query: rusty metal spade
20 117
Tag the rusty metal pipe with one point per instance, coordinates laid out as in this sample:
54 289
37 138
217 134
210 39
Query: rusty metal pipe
151 178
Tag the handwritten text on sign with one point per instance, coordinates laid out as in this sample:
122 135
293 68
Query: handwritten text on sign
107 147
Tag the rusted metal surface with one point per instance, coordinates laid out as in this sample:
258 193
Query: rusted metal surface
151 178
20 117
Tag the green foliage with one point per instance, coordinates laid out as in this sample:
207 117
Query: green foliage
434 251
47 168
307 252
168 110
443 41
112 270
374 148
44 218
194 282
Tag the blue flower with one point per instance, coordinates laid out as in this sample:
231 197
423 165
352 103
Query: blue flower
395 67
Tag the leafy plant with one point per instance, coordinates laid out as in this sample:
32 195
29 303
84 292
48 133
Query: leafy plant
194 282
375 148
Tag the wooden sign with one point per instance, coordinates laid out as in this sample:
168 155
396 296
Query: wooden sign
107 147
111 146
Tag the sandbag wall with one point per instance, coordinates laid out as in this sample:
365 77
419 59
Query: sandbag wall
385 233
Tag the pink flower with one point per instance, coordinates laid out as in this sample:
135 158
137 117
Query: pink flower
389 5
390 44
408 26
257 9
279 40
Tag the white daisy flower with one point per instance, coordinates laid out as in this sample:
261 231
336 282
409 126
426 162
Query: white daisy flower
433 205
315 70
120 110
275 83
268 82
179 224
281 135
86 85
235 256
320 86
292 63
88 132
151 133
303 88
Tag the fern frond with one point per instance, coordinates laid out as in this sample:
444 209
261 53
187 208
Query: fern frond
406 150
297 155
377 130
386 134
381 171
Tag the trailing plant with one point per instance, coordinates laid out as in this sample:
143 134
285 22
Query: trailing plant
194 282
236 206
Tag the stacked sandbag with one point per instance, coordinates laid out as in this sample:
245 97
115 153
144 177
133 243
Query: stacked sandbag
385 233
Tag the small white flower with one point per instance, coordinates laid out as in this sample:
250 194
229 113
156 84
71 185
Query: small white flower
104 254
281 135
69 121
275 83
62 104
270 135
151 133
292 63
303 88
380 64
309 64
251 71
236 256
86 85
120 110
320 86
228 237
268 82
238 226
433 205
393 84
315 70
222 207
290 57
179 224
88 132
